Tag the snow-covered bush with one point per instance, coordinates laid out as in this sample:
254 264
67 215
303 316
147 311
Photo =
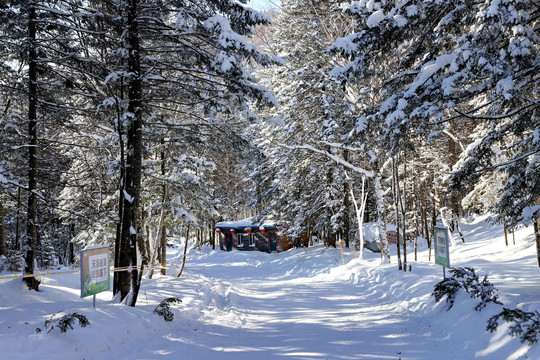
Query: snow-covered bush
526 324
64 323
467 279
163 309
449 287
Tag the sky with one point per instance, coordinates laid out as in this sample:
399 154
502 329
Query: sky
264 4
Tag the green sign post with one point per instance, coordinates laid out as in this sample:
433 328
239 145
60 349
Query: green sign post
442 255
95 271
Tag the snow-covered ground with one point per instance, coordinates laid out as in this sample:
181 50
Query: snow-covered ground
300 304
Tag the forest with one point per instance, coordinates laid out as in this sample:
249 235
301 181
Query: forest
132 123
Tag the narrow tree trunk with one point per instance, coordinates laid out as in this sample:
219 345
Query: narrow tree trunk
433 224
396 194
213 234
359 210
403 203
346 205
154 248
383 239
32 282
71 248
18 221
536 227
185 252
163 242
309 234
165 198
3 247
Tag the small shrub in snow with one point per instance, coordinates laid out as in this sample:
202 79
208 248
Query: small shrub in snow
164 308
526 324
467 279
65 322
449 287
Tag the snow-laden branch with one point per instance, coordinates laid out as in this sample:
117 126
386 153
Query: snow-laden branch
496 117
337 159
4 180
383 241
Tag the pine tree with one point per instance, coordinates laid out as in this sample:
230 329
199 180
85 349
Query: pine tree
450 62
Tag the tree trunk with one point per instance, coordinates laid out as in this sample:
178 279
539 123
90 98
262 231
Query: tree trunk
536 227
346 205
537 237
30 247
128 243
395 182
154 248
3 247
383 240
359 210
18 243
185 251
433 224
213 234
117 241
165 198
403 203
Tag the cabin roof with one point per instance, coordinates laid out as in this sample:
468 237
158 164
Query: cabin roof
242 224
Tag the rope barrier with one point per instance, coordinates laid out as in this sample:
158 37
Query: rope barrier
119 269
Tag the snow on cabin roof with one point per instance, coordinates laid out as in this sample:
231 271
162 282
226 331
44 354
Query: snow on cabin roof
241 224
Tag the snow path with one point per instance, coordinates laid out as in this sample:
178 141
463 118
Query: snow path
256 309
300 304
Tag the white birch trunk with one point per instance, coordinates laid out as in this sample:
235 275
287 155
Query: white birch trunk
383 240
155 244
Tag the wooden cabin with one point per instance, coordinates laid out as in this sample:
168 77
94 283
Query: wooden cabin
243 235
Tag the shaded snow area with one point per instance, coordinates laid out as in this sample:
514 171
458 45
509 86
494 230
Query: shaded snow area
300 304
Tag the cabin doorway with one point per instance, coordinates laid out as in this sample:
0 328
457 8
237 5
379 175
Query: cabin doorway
272 241
228 241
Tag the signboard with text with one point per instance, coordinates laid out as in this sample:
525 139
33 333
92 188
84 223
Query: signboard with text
391 236
95 271
442 255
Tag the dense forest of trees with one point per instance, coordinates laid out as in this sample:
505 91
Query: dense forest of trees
126 122
415 111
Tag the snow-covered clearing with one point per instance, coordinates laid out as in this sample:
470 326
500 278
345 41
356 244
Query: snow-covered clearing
301 304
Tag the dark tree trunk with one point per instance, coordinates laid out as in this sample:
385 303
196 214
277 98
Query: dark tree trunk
30 247
128 243
117 241
213 234
163 240
536 227
18 221
185 252
403 204
3 247
537 238
163 257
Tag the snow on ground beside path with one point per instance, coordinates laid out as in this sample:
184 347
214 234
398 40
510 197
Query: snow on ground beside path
301 304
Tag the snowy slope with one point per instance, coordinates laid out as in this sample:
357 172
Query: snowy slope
301 304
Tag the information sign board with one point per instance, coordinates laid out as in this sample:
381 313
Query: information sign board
95 271
442 255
